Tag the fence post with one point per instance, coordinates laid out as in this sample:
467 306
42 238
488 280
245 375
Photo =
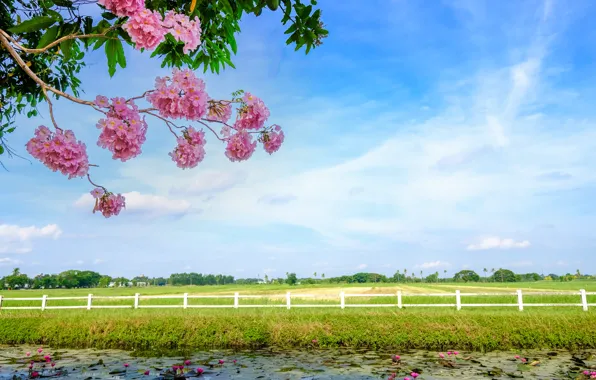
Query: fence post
399 304
89 297
581 291
288 300
458 300
185 304
0 302
520 300
44 299
137 300
342 299
236 300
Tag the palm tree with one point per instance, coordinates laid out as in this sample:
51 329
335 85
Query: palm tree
315 274
16 271
437 275
405 275
502 275
445 272
322 275
493 272
485 271
421 278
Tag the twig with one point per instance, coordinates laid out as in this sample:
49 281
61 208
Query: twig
51 107
94 184
59 40
211 129
166 121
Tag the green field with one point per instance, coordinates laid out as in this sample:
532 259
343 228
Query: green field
437 328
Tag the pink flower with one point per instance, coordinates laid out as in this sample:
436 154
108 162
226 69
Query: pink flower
59 151
145 29
414 375
455 353
98 192
102 101
234 361
240 146
28 354
187 362
517 357
314 341
190 149
39 350
123 7
221 361
123 132
126 365
524 360
253 115
146 373
183 96
587 373
183 29
396 358
448 353
442 355
47 358
53 364
200 370
109 204
272 140
35 374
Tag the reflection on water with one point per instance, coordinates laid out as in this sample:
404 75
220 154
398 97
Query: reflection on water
283 364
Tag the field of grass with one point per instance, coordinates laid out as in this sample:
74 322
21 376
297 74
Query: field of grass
484 329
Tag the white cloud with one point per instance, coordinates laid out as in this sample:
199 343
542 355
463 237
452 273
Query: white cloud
433 264
362 266
146 204
15 239
80 262
496 242
98 261
6 261
17 233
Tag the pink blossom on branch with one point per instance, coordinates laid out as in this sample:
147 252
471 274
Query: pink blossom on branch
123 132
183 29
107 203
183 97
190 149
123 8
240 146
145 29
59 151
253 115
219 112
272 140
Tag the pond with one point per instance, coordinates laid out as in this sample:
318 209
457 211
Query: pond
15 363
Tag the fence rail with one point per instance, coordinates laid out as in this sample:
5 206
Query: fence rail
520 304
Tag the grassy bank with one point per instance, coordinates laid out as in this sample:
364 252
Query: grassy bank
482 330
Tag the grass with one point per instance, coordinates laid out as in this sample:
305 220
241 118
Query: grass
483 329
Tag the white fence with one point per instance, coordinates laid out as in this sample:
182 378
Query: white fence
582 298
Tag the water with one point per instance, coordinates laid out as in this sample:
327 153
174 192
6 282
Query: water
314 364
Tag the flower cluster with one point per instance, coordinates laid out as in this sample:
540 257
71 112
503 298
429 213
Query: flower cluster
253 114
240 146
183 29
123 131
182 97
147 28
272 140
59 151
123 8
190 149
590 375
107 203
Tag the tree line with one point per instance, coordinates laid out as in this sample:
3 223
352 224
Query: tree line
90 279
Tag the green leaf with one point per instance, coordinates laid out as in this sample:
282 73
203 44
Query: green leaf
66 48
55 14
36 23
63 3
10 130
1 149
112 48
108 15
120 54
291 29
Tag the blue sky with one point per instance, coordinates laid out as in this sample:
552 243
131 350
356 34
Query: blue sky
421 135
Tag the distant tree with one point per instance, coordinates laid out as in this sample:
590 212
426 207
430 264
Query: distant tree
466 276
485 271
291 279
315 274
504 275
553 276
434 277
398 277
445 273
104 281
405 275
266 279
323 275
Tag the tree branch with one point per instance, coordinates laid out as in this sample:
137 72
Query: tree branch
58 41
